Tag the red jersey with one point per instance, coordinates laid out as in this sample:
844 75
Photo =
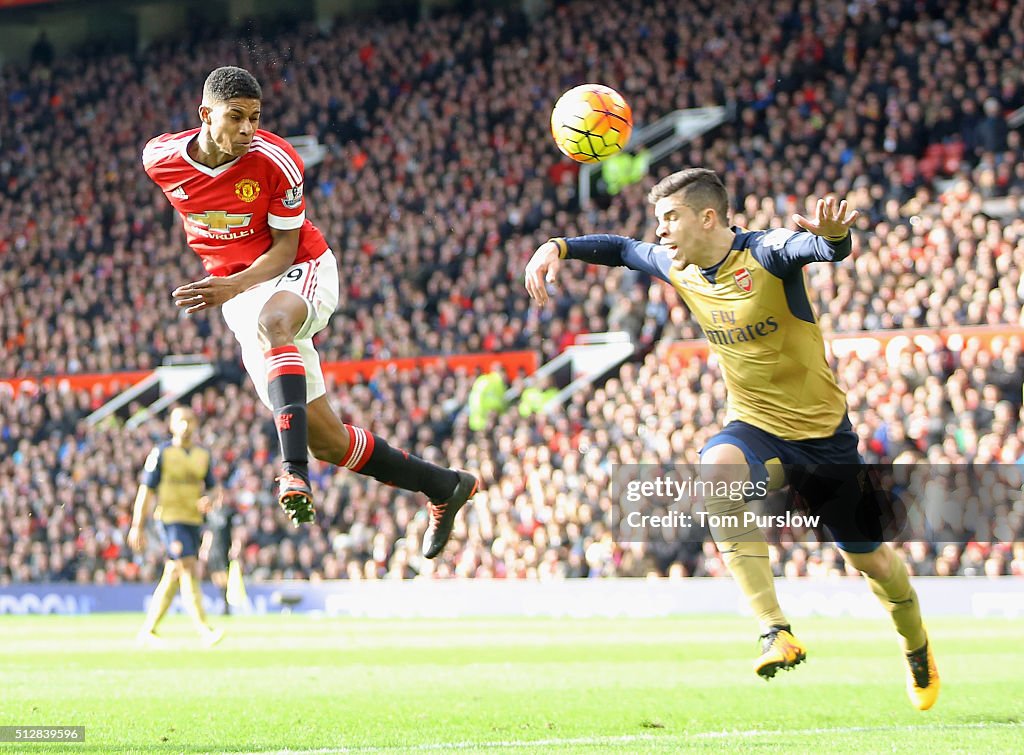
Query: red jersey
228 211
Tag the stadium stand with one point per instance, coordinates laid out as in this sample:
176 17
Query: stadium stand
439 179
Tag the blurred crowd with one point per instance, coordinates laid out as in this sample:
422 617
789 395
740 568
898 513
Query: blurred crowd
439 180
545 509
440 175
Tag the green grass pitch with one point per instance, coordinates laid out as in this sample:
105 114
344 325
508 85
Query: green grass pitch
294 684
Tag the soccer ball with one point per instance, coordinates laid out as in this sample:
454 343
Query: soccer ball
591 122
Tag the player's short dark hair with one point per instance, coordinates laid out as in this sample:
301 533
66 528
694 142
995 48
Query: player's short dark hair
227 82
701 188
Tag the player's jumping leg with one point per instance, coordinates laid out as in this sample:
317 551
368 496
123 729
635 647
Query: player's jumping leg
357 449
158 605
279 321
314 424
744 550
890 582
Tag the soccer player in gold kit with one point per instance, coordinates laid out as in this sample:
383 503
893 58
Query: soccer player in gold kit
747 291
176 475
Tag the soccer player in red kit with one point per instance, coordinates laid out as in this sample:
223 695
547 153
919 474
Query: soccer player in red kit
238 190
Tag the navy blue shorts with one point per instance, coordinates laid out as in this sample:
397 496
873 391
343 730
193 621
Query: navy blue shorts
828 475
181 540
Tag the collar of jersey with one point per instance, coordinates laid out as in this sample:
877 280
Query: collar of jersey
212 172
738 242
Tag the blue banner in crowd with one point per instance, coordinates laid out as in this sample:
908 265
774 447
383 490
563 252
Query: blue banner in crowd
60 598
944 596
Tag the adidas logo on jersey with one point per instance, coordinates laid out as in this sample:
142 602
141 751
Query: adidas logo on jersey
179 193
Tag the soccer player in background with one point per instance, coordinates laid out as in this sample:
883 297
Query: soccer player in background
219 547
239 191
176 475
747 291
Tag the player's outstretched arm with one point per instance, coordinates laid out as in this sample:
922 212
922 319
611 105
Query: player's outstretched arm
595 249
832 219
541 270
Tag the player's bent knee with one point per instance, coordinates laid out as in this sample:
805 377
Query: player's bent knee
276 326
328 436
328 446
724 463
331 452
874 565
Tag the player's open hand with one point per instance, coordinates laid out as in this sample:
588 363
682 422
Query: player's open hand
542 270
211 291
832 219
137 539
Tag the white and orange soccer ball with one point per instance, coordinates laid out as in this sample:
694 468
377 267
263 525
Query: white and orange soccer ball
591 122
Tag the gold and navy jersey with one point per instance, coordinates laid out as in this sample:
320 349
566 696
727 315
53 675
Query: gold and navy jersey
754 309
179 476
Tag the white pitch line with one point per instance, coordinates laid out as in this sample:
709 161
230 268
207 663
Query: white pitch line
632 738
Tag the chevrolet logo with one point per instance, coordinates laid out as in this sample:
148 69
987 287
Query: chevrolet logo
219 220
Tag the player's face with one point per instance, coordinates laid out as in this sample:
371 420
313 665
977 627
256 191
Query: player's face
232 124
183 424
678 225
685 231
